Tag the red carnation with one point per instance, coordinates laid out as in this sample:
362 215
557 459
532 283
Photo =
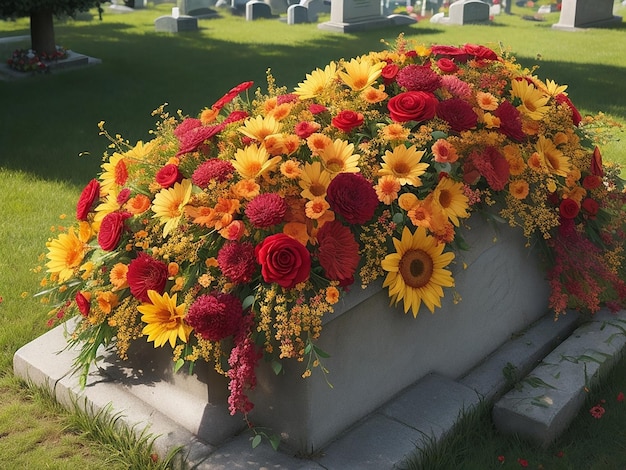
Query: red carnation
266 210
123 196
338 251
418 78
447 65
412 106
283 260
83 304
562 98
213 169
146 273
591 207
237 262
510 121
353 197
215 316
88 197
568 208
168 175
186 126
317 108
234 116
111 230
305 128
493 166
458 114
193 139
347 120
288 98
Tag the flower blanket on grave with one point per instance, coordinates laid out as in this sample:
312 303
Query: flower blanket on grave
230 235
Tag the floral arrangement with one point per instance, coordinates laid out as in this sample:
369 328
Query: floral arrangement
27 60
230 235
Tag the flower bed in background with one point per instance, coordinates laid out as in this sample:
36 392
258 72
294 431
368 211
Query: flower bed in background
27 60
232 235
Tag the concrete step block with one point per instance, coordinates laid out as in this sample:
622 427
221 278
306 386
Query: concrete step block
549 398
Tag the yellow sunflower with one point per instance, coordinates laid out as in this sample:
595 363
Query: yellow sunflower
65 253
404 164
253 161
260 127
533 100
164 319
169 204
314 181
360 73
114 174
448 196
551 158
316 82
339 157
415 272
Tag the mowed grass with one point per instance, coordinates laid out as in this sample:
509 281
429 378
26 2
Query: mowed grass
46 121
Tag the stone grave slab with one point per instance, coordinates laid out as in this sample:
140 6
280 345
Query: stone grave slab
581 14
355 15
468 11
256 10
297 14
169 24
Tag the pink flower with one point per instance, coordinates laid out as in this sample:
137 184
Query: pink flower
215 316
305 128
418 78
597 411
266 210
317 108
214 169
192 140
237 262
620 397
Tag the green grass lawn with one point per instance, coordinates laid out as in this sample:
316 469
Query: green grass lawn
46 121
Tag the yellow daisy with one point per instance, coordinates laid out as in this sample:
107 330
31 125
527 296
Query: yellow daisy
314 181
339 157
114 174
533 100
551 158
360 73
316 82
169 205
415 272
448 196
164 319
65 253
253 161
107 206
139 151
404 164
260 127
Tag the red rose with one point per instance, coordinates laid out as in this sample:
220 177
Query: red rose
510 121
592 182
338 251
458 114
353 197
168 175
591 207
146 273
447 65
88 196
563 99
389 72
283 260
315 108
305 128
111 230
83 304
480 52
568 208
412 106
450 52
347 120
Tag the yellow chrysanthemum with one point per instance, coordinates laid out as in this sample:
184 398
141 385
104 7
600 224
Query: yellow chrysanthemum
139 151
65 253
404 164
448 196
416 271
260 127
114 174
339 157
314 181
486 101
316 82
169 205
533 100
394 132
551 158
553 89
361 73
164 319
253 161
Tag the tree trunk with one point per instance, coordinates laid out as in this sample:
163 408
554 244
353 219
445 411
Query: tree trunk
42 32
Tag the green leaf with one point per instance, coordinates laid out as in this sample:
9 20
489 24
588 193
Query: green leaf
248 302
179 363
398 218
439 135
275 441
256 441
277 367
320 352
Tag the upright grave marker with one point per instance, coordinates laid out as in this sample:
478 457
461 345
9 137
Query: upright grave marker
577 14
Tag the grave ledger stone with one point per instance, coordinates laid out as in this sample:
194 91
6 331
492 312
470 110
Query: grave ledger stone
577 14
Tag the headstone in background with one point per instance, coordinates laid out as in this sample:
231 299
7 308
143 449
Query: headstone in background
586 14
197 8
468 11
278 7
135 4
297 14
355 15
256 10
169 24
